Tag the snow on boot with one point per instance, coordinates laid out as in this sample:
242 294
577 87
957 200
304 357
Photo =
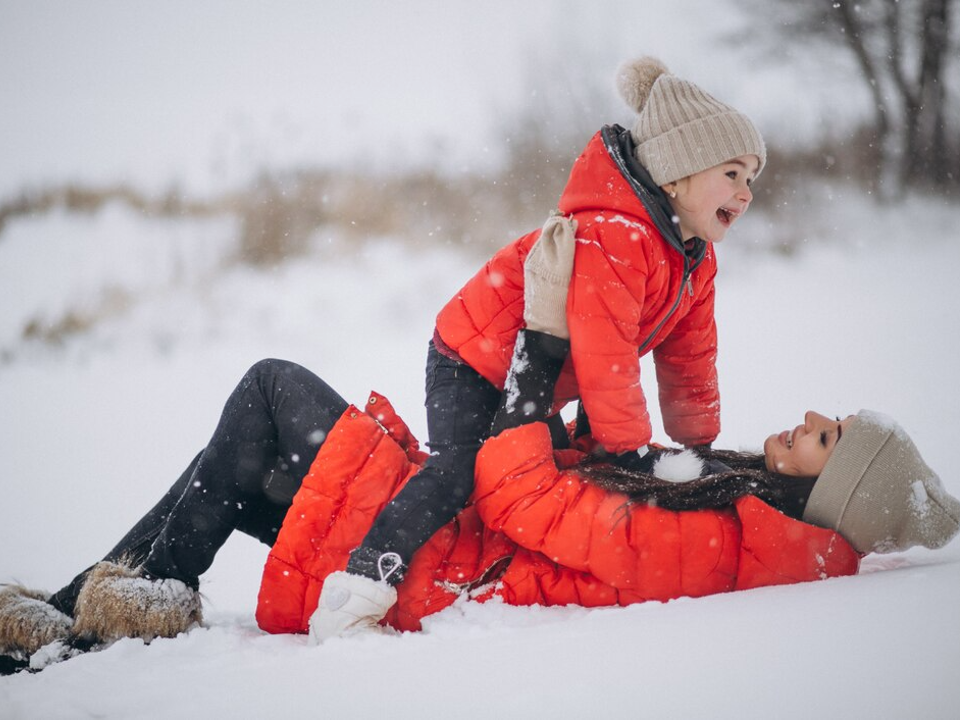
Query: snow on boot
60 650
28 621
118 601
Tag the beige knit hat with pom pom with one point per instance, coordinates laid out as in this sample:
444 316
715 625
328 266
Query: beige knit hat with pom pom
682 130
878 493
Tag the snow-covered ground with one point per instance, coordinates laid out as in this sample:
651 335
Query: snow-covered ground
92 432
204 96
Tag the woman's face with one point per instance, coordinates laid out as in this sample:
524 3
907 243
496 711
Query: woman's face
804 451
710 201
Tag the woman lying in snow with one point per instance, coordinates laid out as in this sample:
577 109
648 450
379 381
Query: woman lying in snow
550 522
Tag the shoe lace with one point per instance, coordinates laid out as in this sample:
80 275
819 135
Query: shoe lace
392 557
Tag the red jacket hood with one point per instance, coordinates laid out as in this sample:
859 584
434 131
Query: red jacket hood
597 183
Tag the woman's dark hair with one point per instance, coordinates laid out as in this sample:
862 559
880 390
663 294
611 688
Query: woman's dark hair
747 475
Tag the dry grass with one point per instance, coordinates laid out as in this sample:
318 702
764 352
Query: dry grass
111 303
281 214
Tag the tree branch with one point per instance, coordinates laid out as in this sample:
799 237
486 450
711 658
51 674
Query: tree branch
853 34
895 58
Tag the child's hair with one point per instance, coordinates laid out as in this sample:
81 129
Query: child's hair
748 476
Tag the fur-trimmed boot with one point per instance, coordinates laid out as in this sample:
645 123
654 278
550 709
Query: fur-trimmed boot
118 601
28 621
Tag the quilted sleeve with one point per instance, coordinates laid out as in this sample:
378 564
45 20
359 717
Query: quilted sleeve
654 553
778 550
686 363
604 307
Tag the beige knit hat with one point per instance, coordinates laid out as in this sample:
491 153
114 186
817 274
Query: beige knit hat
878 492
681 129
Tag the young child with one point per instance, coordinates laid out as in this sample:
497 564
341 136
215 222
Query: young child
646 205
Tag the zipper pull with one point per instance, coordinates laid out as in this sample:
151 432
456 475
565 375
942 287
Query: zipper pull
690 285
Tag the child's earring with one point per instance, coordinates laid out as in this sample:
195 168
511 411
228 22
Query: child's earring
673 193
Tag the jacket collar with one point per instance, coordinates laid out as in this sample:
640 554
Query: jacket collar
620 146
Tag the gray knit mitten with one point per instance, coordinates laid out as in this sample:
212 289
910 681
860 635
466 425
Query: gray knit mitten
546 277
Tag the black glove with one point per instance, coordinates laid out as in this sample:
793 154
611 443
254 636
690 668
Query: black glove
582 426
528 393
640 460
714 467
710 466
635 462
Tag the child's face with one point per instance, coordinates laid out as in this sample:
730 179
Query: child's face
710 201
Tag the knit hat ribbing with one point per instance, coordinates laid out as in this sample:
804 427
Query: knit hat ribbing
878 493
682 130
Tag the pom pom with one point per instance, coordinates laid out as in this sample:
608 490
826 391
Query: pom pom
678 467
635 80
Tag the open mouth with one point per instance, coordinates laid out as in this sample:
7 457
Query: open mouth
727 216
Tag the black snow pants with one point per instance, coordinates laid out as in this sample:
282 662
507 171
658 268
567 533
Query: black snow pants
461 406
271 428
244 479
463 410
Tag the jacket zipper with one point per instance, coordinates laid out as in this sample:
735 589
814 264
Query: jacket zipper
687 283
613 149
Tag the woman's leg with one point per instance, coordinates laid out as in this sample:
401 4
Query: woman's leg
460 408
268 435
272 426
135 545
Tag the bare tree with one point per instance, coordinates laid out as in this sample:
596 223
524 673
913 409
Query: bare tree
905 52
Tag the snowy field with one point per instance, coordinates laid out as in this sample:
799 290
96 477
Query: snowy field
202 97
92 431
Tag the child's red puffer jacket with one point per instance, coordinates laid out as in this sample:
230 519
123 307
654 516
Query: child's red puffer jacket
632 292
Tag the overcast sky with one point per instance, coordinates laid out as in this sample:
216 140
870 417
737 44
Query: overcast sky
206 93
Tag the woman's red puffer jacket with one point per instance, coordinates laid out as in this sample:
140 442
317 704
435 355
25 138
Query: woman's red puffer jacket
631 292
535 533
